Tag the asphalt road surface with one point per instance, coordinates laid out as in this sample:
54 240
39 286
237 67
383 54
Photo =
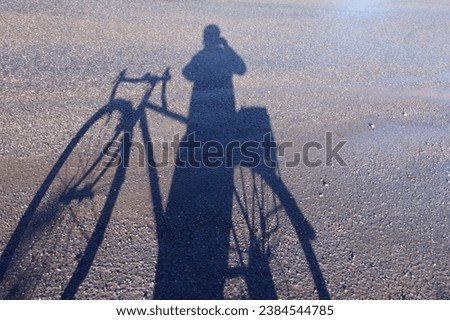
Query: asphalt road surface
354 203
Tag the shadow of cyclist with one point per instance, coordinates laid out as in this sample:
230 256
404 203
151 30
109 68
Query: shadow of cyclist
194 238
194 230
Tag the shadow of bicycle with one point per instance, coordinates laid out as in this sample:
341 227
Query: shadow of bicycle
229 223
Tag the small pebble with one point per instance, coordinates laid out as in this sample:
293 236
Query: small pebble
371 125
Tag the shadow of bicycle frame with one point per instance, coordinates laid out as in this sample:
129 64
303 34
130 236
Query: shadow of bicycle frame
188 277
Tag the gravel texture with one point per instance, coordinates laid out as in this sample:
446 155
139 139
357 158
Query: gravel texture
374 74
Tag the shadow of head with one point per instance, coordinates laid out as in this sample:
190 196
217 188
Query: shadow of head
211 36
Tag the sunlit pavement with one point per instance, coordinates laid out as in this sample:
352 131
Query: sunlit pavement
374 74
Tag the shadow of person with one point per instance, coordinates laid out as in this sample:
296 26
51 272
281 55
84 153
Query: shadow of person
194 240
194 234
